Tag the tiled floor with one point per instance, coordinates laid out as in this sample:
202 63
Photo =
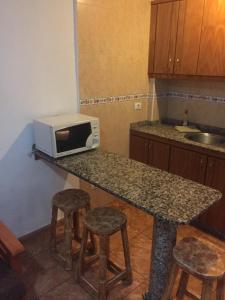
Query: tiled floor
46 278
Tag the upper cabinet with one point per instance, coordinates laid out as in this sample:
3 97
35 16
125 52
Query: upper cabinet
163 38
187 38
212 48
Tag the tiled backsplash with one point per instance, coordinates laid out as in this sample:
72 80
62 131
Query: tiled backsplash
203 98
165 95
189 96
111 99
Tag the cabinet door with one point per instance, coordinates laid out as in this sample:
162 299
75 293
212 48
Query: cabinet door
138 148
212 47
188 164
188 36
165 36
215 177
158 155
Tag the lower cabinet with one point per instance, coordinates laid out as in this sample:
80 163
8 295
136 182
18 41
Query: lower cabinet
214 217
158 155
188 164
193 165
153 153
139 148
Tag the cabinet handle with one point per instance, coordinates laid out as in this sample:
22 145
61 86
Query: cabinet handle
170 59
201 161
211 164
177 60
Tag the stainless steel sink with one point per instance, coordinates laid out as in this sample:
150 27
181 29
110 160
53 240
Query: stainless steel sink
206 138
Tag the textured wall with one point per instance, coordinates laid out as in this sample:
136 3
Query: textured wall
113 38
37 77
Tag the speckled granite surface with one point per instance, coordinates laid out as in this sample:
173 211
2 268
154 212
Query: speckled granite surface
169 132
168 197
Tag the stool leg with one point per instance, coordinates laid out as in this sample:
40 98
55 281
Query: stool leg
167 295
182 285
126 251
68 241
102 288
76 228
220 289
92 245
207 290
53 227
82 252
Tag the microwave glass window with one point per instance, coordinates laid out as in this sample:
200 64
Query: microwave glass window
72 137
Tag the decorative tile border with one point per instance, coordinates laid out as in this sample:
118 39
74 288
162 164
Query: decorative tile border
152 96
105 100
187 96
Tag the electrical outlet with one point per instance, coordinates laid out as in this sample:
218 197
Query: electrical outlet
137 105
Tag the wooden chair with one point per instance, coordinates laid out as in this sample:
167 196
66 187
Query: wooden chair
104 221
10 248
70 201
201 260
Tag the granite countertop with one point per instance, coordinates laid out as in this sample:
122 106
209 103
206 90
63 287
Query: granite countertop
166 196
169 132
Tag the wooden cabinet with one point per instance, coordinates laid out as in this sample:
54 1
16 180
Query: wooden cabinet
150 152
212 47
175 36
187 37
158 155
139 148
188 164
215 178
164 37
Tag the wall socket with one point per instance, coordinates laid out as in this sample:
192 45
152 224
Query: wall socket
137 105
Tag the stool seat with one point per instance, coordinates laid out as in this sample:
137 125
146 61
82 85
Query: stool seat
198 258
104 220
71 200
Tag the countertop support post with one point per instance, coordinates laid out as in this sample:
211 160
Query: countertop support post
164 239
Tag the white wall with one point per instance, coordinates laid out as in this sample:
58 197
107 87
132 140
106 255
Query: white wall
37 77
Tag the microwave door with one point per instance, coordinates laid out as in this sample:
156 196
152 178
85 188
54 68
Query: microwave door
74 137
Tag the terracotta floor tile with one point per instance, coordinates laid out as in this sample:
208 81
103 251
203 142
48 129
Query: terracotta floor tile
140 248
119 204
138 293
40 279
68 290
121 290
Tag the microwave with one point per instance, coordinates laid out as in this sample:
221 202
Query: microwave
62 135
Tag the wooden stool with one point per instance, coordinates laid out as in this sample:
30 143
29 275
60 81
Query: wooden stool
70 201
201 260
104 221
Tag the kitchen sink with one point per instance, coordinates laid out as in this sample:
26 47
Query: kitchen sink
206 138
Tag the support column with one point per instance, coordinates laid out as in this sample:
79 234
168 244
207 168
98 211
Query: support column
163 241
